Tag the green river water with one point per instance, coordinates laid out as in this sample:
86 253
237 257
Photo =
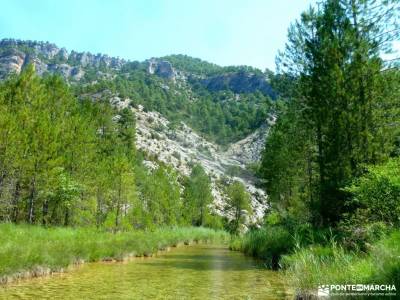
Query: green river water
189 272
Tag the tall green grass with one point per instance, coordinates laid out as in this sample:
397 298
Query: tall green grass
309 267
267 243
24 248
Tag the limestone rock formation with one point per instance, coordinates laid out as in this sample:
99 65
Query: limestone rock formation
47 57
239 82
11 61
161 68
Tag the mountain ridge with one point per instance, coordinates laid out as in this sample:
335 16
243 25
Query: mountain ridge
48 57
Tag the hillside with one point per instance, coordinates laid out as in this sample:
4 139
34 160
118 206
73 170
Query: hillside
223 104
187 110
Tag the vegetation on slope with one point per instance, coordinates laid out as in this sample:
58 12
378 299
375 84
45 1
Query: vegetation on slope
71 162
221 116
197 66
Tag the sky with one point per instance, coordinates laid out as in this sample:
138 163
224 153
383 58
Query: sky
225 32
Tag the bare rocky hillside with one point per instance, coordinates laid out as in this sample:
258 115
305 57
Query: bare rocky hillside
181 147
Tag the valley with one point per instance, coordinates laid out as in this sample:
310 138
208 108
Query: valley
167 134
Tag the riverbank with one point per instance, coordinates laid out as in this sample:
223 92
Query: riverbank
307 268
307 265
33 251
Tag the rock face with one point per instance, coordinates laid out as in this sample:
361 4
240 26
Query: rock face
86 59
161 68
239 82
47 57
11 61
249 149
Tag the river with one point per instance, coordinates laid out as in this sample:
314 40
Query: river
188 272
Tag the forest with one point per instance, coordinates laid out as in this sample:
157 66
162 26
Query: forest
330 164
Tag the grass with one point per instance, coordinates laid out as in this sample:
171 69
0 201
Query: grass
310 259
26 248
266 243
309 267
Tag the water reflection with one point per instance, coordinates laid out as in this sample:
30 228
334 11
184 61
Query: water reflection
195 272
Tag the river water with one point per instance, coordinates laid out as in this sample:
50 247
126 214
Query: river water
189 272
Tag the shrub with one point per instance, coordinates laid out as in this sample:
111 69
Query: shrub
376 194
358 235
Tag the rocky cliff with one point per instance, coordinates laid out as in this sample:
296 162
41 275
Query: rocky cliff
47 57
239 82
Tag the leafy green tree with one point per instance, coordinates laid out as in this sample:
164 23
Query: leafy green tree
197 196
238 203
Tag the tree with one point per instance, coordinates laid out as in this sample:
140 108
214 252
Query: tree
197 196
58 154
334 55
238 204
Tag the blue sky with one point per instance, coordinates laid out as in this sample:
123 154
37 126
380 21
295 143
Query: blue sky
226 32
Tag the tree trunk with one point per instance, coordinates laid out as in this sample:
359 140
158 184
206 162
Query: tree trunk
2 179
15 202
32 196
99 198
66 218
45 211
118 203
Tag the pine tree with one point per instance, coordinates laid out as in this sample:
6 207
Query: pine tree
334 56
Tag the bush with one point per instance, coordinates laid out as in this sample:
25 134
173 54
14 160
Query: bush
376 194
359 235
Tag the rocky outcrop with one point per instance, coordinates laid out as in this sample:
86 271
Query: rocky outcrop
47 57
239 82
65 71
11 61
161 68
44 49
86 59
249 149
